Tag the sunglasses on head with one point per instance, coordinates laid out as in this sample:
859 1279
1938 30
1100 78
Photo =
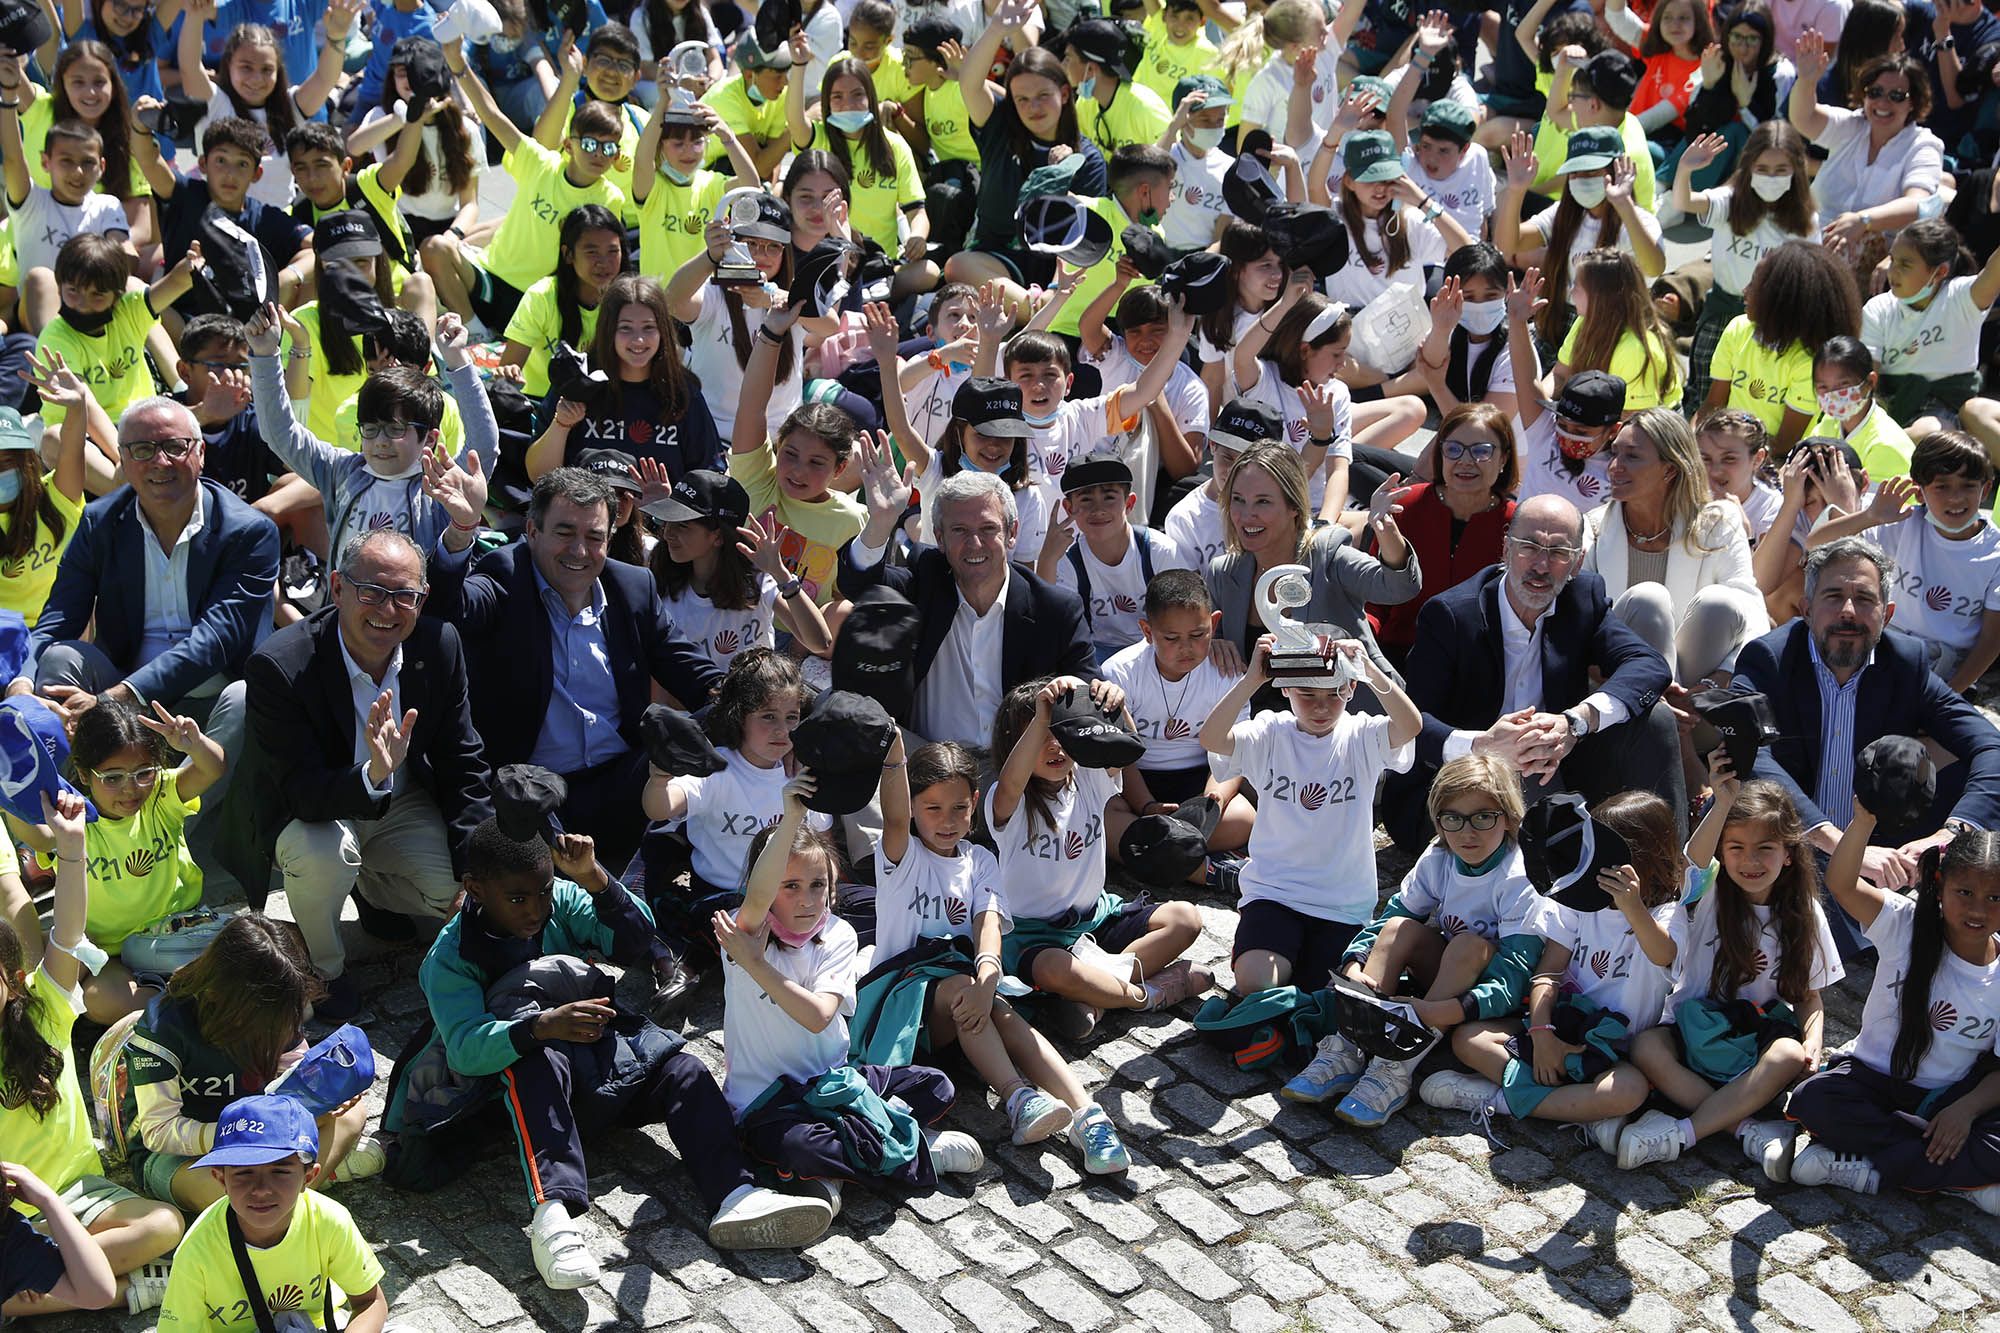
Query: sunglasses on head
1876 93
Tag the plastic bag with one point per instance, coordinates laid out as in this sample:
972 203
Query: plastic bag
1390 328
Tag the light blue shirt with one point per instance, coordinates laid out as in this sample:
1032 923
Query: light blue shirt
1836 730
581 727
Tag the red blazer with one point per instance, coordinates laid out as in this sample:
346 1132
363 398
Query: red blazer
1426 524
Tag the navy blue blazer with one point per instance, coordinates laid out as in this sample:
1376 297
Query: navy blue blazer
1899 695
232 567
1044 635
499 613
1457 671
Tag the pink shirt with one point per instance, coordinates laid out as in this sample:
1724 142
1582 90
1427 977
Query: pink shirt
1789 18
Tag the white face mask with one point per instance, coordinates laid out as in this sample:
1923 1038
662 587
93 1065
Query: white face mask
1771 188
1206 140
1588 191
1969 523
374 470
1480 318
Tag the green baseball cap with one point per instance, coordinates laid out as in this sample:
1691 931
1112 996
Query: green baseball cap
14 433
1217 90
1370 155
1368 83
1592 149
1448 120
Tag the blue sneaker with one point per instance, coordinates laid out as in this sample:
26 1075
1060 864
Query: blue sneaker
1383 1090
1103 1151
1034 1115
1335 1066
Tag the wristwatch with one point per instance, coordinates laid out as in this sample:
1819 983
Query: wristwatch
1579 725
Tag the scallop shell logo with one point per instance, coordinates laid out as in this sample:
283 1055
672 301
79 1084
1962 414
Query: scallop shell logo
1943 1015
287 1297
1126 603
1453 924
381 522
1937 597
1177 729
955 911
1600 962
1055 464
1073 846
1760 963
728 641
139 862
1312 796
1587 486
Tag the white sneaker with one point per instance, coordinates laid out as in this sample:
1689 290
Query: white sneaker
1336 1064
367 1158
146 1286
1653 1137
1815 1165
1604 1133
1383 1090
1123 966
955 1153
753 1218
1450 1090
1986 1198
1770 1144
562 1256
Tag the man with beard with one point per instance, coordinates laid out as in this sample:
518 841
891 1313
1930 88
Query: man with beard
1838 678
1503 665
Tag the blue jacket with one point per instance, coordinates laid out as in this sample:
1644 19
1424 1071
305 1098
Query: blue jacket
1457 674
232 567
1899 695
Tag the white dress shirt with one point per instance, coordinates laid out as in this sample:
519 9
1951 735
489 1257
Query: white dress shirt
1521 662
365 690
169 619
958 697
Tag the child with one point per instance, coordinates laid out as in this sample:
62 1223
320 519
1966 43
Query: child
1170 680
933 44
1461 927
1844 385
723 321
85 88
227 1025
940 885
61 1270
788 975
606 76
1562 443
102 330
327 359
484 286
1296 36
329 184
1759 954
1465 357
1603 977
1141 188
1822 478
441 187
1289 360
675 194
1047 815
1176 50
1669 44
44 1122
381 486
215 370
1194 524
1442 163
562 309
1733 452
1947 554
1617 330
1093 549
1309 884
1798 296
887 195
1198 214
584 1065
403 341
1924 331
1111 109
39 511
1254 280
45 218
1177 417
723 576
304 1249
928 377
1912 1106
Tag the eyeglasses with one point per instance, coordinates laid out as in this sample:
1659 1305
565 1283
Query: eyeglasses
613 64
141 778
1479 452
384 430
224 365
173 449
1557 555
599 147
374 594
128 11
1748 41
1877 93
1451 821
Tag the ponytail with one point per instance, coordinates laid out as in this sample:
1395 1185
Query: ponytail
30 1066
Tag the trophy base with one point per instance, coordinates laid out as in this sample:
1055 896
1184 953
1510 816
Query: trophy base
739 275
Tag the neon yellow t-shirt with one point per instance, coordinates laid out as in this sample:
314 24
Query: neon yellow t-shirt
381 201
819 528
205 1290
892 82
1763 382
1552 145
25 583
35 122
1166 65
1136 115
537 325
1884 446
672 220
948 124
529 242
1101 274
140 869
874 203
631 123
329 390
112 363
746 119
58 1147
1649 381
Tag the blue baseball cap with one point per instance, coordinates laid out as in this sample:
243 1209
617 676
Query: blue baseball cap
260 1129
33 750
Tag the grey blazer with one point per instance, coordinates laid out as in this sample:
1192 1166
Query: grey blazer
1344 581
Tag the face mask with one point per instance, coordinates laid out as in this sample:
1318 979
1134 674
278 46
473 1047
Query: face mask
1913 302
1588 191
1034 420
1088 88
1207 139
1575 448
10 485
374 469
756 98
1841 404
1966 526
1149 217
85 322
1771 188
676 176
795 938
1480 318
850 122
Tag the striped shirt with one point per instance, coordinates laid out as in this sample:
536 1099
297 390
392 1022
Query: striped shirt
1835 796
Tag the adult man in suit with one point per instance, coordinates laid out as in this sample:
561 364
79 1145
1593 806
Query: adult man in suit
1502 665
370 773
566 646
987 624
1837 678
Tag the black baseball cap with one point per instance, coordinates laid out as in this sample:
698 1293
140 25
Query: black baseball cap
348 234
1102 42
525 800
844 740
1096 470
1591 398
1242 423
1065 226
1896 779
1564 848
615 466
1201 279
991 406
1612 77
702 494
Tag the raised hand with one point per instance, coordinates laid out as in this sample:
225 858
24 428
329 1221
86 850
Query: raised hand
340 16
388 740
990 313
228 393
1352 108
568 58
453 339
1704 149
1722 777
263 331
1623 176
1522 164
761 540
458 490
1811 58
1319 400
191 261
1061 534
655 482
1892 497
12 71
887 490
183 733
1714 64
1524 297
58 384
65 818
574 855
570 413
1448 306
882 332
1433 32
1382 506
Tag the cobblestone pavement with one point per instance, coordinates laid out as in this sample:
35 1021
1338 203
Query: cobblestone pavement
1241 1212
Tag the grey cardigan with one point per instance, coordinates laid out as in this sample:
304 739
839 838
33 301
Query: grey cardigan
1344 581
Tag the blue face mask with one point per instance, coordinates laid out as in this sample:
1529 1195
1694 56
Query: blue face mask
1914 302
677 177
1088 88
850 122
756 98
1034 420
10 485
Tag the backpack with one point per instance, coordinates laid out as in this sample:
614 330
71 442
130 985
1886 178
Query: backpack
1267 1028
111 1087
1141 537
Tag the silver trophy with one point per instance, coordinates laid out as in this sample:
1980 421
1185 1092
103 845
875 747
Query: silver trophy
1300 654
737 268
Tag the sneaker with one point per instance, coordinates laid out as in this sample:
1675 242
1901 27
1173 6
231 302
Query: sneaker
1176 982
1103 1151
1653 1137
826 1189
146 1286
1336 1064
1123 966
955 1153
1450 1090
753 1218
1071 1020
1771 1143
1383 1090
1034 1115
1225 872
562 1256
1986 1198
341 1002
366 1158
1815 1165
1604 1133
476 332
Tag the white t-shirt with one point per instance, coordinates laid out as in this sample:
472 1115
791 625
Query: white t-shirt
726 810
438 202
1941 339
1198 202
1357 284
1697 969
1167 714
1965 1004
1272 391
1117 592
1606 963
1469 194
1492 906
721 634
1267 102
925 896
929 404
1186 398
1044 871
1734 257
41 225
1313 846
1208 353
1944 588
1762 508
1535 231
1543 471
1848 181
711 355
761 1042
1195 525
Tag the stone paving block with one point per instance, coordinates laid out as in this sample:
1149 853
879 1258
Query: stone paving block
1661 1265
1108 1269
1840 1274
691 1262
1258 1198
988 1244
749 1310
1334 1313
1254 1314
1161 1313
480 1295
1197 1107
1027 1214
1354 1268
1900 1312
1121 1217
941 1203
1679 1227
844 1260
1518 1166
1190 1269
1065 1300
1296 1229
1200 1215
985 1307
1798 1302
911 1252
1267 1268
1416 1317
829 1312
1457 1290
904 1308
646 1297
1133 1112
1650 1313
1211 1165
1956 1254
